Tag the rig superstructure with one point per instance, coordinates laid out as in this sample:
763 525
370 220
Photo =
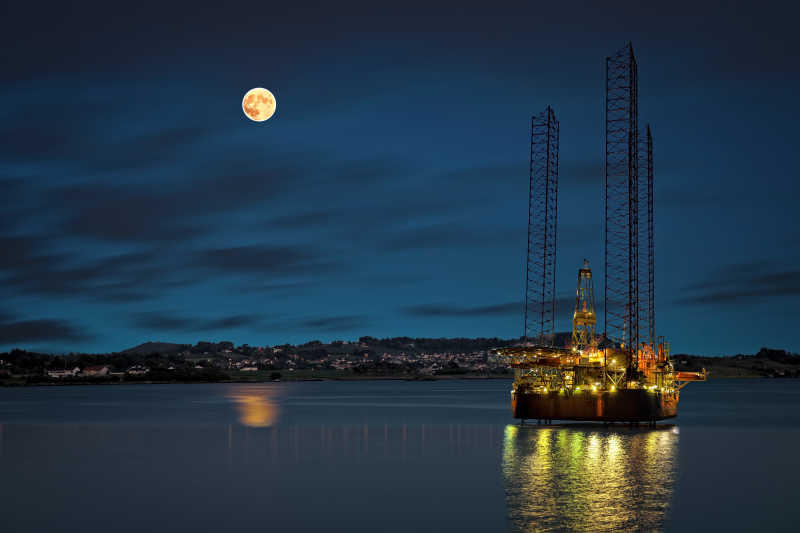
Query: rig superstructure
625 374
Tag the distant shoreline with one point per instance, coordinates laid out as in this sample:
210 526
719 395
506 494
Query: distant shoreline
20 381
373 359
74 383
303 379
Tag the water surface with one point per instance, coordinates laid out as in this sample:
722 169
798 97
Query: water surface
388 456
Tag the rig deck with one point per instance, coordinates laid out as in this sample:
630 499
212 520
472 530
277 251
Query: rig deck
564 384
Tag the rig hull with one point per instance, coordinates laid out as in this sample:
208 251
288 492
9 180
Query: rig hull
624 405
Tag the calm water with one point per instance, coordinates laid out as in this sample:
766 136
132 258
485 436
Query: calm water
389 456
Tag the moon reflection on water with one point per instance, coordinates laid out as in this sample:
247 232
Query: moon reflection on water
256 406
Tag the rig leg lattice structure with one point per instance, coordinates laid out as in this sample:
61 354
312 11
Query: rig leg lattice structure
646 269
621 313
540 280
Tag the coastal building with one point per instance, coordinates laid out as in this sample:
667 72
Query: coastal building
101 370
65 373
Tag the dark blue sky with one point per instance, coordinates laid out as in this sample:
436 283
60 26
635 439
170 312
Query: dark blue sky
388 194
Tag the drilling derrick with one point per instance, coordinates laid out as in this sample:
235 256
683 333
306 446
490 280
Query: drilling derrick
584 319
621 296
540 279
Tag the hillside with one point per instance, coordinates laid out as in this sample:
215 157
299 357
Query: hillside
766 363
148 348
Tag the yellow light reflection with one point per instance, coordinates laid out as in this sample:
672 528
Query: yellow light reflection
580 478
255 404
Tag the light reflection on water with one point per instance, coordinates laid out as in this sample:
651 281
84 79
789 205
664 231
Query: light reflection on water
582 479
256 405
352 442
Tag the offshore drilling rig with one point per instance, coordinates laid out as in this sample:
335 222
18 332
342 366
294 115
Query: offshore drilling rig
624 374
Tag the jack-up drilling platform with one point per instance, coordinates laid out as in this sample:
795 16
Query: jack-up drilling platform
617 376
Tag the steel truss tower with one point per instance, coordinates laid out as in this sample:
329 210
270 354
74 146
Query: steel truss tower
540 279
646 268
621 313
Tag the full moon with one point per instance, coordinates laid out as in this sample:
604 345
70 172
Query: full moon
258 104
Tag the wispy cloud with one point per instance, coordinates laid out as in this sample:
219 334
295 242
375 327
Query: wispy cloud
266 260
743 284
175 322
451 310
41 330
580 173
335 323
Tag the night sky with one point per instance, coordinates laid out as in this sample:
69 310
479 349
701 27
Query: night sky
388 194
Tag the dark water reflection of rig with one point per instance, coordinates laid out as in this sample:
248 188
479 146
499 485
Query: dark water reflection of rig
576 478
